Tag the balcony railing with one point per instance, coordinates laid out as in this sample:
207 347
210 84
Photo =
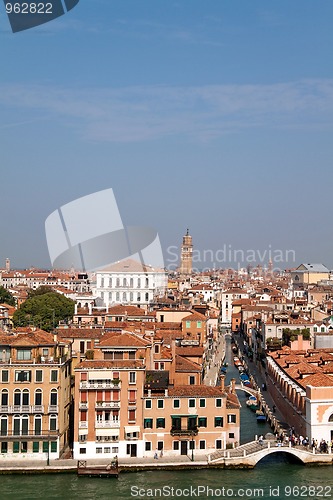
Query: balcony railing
53 409
42 434
83 425
99 385
21 409
107 404
184 431
83 406
107 424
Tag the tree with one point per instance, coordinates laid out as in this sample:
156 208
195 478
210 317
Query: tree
44 311
6 297
41 290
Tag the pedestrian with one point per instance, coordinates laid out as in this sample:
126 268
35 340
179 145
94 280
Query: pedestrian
261 439
274 408
156 455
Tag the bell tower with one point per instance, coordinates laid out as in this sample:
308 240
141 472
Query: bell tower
186 255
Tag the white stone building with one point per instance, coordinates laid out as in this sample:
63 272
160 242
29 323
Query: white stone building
130 282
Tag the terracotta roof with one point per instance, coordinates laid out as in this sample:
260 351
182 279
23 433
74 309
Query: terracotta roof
317 380
189 351
115 339
186 365
130 266
80 333
195 317
195 390
128 310
106 364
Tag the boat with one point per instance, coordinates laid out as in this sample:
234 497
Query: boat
110 470
252 403
260 416
244 377
237 361
223 369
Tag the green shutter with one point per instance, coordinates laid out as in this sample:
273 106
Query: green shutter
54 446
45 446
35 447
16 447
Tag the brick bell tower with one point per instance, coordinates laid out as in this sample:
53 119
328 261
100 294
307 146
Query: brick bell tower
186 255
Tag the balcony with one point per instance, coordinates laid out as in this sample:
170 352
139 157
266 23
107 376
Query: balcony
184 431
26 434
99 385
83 425
21 409
83 406
107 404
53 409
107 424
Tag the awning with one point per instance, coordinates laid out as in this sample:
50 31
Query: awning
132 428
83 432
180 416
100 375
107 432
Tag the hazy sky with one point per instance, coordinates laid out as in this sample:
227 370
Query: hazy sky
214 115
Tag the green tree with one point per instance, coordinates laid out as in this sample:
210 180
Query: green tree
44 311
6 297
41 290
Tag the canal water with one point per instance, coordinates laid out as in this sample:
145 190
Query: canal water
273 477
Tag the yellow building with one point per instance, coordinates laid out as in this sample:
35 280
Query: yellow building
35 396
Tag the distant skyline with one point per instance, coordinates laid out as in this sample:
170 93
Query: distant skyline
215 116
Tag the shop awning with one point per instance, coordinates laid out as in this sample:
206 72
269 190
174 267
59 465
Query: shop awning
132 428
107 432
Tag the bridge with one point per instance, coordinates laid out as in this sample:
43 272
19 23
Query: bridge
248 390
249 454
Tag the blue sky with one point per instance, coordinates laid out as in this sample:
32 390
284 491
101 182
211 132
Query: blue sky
214 115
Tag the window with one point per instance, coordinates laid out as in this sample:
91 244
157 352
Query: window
23 354
4 376
54 397
46 447
132 377
3 426
160 404
160 423
218 444
38 397
202 444
218 421
83 438
231 419
35 447
176 403
146 297
4 397
218 403
131 415
148 423
54 375
115 449
23 376
99 450
160 445
4 447
25 397
176 445
53 422
107 450
202 422
16 447
191 403
83 451
198 324
188 324
148 446
202 403
39 376
231 435
148 404
191 445
192 380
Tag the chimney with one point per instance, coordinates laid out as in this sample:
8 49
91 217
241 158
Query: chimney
222 381
232 389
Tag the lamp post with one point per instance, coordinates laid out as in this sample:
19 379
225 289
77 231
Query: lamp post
48 452
192 449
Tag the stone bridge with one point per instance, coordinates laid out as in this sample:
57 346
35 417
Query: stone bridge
249 454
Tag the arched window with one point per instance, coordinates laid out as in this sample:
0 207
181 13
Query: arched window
25 397
131 296
38 397
25 425
117 297
17 397
331 418
147 282
147 297
124 297
16 425
38 425
4 397
4 425
124 282
131 282
54 397
53 422
139 282
139 297
117 282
